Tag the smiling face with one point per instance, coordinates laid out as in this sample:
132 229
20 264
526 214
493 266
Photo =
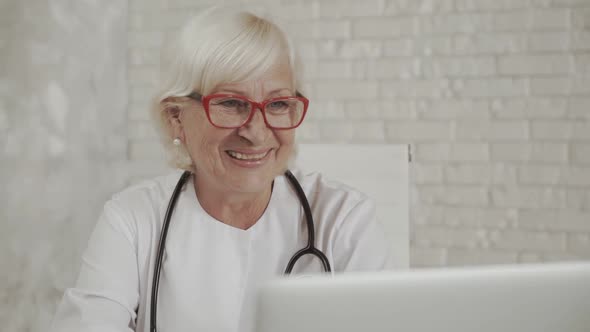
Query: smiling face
246 159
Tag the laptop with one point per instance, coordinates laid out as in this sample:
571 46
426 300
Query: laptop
552 297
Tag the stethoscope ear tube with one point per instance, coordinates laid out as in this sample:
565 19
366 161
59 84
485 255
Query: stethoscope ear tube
161 246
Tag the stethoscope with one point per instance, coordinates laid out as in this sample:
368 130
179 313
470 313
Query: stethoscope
310 249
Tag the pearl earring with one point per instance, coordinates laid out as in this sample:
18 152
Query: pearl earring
176 141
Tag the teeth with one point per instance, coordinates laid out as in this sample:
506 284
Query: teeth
243 156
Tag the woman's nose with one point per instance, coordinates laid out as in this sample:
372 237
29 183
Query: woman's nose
256 130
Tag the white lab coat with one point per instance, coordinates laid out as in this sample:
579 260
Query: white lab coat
211 271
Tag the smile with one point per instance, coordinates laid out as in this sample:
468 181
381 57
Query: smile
247 156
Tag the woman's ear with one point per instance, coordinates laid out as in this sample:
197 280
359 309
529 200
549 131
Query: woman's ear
173 116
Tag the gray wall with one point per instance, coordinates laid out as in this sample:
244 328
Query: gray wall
63 96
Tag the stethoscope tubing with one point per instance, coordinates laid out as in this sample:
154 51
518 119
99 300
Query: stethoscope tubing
309 249
161 245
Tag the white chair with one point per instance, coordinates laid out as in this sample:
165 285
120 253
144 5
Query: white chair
380 171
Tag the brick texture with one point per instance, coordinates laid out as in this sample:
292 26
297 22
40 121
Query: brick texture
493 95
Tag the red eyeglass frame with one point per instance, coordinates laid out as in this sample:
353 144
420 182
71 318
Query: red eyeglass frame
206 99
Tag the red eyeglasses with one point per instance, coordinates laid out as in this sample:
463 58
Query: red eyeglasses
234 111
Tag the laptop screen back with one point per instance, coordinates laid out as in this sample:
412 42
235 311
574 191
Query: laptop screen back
520 298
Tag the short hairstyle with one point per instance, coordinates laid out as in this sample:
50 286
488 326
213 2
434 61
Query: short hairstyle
219 45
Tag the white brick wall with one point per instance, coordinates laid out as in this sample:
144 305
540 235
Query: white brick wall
494 96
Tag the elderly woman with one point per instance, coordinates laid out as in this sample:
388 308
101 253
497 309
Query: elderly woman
229 104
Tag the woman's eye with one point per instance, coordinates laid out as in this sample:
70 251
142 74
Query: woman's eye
278 105
232 103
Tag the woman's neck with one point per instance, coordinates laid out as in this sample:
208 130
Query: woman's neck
240 210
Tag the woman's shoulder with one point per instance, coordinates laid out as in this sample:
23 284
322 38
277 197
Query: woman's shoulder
319 186
146 196
153 188
135 211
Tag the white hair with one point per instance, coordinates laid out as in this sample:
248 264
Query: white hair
219 45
